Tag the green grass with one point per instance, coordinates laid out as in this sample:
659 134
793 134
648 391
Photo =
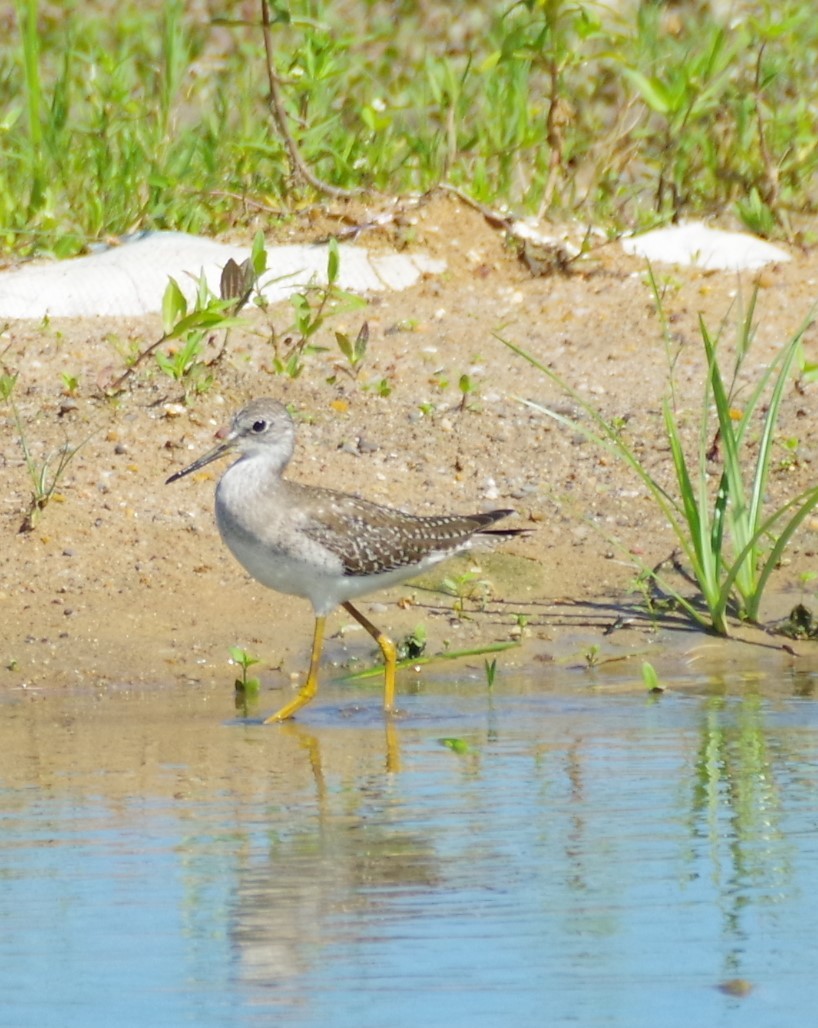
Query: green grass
127 116
729 542
46 471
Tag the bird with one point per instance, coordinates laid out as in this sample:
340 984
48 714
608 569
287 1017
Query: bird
326 546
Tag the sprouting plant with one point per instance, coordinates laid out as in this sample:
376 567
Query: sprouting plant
183 363
455 744
45 474
414 645
490 667
806 370
467 387
405 325
70 383
354 349
646 585
730 545
651 678
7 384
466 586
381 387
790 458
191 327
244 660
311 308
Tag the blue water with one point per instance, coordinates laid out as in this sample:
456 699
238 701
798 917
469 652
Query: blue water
600 860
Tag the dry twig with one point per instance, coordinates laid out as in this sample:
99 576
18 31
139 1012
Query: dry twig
298 165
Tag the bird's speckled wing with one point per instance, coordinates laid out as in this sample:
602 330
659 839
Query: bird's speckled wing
370 539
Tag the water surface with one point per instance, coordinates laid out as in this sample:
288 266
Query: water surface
580 856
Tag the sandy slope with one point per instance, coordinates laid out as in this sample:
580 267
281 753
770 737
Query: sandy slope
124 579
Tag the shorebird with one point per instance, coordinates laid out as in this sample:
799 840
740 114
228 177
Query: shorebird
326 546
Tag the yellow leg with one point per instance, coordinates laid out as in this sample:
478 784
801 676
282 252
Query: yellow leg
390 656
310 687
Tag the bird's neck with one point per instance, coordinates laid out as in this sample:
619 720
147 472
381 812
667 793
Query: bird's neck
253 475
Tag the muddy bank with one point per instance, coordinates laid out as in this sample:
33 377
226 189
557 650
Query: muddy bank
124 580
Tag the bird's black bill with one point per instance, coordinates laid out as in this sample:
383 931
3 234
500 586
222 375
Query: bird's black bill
211 455
178 474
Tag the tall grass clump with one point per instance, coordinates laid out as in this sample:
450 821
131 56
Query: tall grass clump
729 542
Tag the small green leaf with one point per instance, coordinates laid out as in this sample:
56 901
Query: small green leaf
258 255
174 305
344 344
490 63
455 745
203 294
7 385
241 657
653 91
333 261
10 118
650 678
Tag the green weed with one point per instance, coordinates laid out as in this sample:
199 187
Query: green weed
414 662
246 687
354 349
592 658
44 474
468 586
456 745
651 678
244 661
311 308
413 645
730 545
380 387
468 387
70 383
192 327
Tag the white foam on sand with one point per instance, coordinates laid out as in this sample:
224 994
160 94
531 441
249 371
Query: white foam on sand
130 279
712 249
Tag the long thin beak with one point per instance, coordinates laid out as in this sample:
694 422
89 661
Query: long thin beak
218 451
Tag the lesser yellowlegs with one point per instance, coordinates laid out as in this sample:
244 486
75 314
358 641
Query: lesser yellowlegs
323 545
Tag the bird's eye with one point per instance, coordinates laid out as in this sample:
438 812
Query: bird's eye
259 426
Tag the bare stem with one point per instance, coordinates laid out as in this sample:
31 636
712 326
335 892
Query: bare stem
298 165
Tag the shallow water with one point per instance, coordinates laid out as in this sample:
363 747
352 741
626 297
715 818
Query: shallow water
580 856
